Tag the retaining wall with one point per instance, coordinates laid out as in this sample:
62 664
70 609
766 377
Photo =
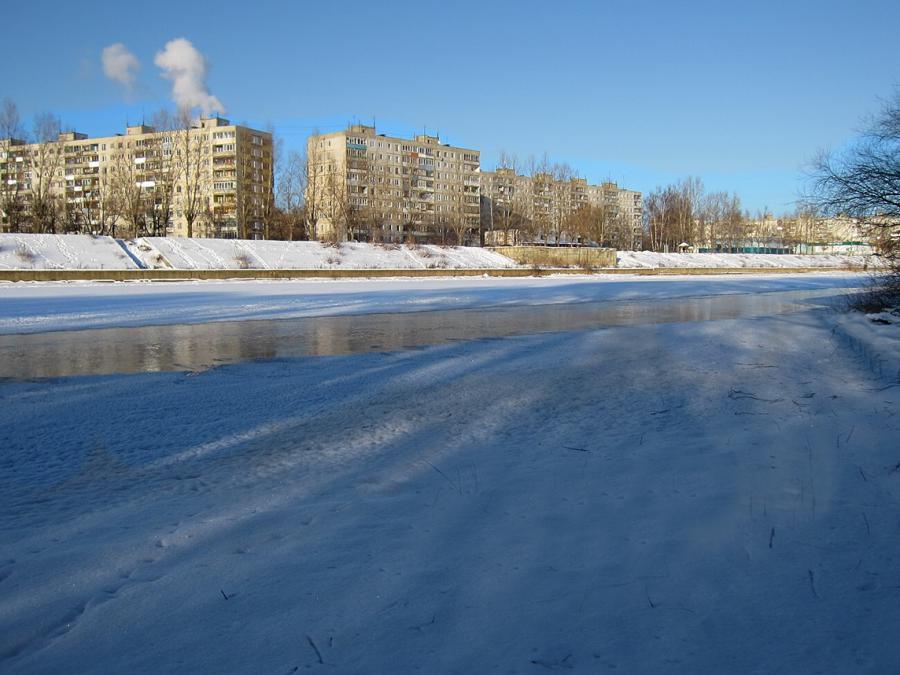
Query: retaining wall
188 275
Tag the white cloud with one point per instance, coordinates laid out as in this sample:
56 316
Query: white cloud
186 68
120 65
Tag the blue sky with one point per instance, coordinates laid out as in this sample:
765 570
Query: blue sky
640 92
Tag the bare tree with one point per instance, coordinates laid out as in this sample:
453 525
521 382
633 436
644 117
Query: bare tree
162 170
289 194
126 179
12 167
863 182
45 162
190 168
10 122
459 225
268 200
563 202
310 181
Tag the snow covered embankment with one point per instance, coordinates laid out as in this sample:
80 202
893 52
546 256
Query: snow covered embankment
648 259
221 254
62 252
73 251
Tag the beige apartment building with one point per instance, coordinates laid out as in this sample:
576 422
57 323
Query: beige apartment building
543 208
211 180
366 186
625 207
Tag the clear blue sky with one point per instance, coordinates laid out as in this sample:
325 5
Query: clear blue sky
640 92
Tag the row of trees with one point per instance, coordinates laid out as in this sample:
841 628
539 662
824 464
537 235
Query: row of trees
543 201
685 213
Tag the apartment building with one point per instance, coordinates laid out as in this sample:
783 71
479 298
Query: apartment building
213 179
547 209
367 186
624 206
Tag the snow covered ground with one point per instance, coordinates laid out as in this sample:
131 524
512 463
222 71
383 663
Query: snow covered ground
36 307
217 254
714 496
61 252
645 259
57 251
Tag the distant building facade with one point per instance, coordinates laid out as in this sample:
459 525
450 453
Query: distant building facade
366 186
802 234
543 208
215 174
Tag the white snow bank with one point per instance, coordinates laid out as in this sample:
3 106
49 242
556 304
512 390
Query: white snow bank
217 254
644 259
73 251
62 251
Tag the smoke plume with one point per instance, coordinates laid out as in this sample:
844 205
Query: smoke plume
186 68
120 65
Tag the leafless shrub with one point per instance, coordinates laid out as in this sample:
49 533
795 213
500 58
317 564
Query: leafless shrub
243 260
26 255
881 295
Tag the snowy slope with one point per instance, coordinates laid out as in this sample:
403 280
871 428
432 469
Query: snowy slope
62 251
183 253
649 259
37 251
679 498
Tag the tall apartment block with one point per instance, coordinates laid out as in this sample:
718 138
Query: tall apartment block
371 187
624 205
215 174
545 209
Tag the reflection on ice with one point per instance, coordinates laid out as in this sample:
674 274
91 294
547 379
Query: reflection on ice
200 346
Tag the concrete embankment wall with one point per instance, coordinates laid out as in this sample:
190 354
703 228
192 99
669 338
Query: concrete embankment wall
555 256
189 275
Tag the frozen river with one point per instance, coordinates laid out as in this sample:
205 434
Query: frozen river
709 485
200 346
